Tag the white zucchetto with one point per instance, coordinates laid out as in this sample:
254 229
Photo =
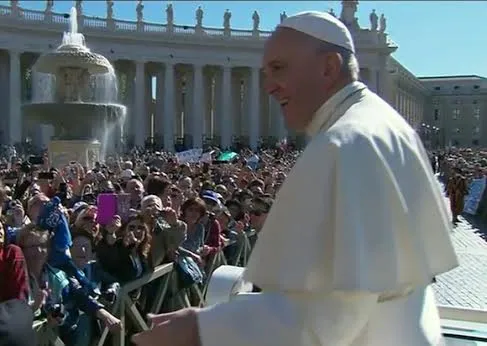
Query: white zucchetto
322 26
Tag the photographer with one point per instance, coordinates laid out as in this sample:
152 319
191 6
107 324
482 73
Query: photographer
83 257
53 294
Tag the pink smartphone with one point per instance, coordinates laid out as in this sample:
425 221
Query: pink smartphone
107 208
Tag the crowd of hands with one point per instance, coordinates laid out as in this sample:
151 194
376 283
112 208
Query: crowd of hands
224 198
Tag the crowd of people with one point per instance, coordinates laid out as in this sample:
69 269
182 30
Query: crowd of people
71 237
457 168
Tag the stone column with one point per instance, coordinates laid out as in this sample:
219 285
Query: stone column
130 121
373 80
169 110
160 100
236 113
226 116
265 118
246 106
139 112
254 107
179 120
188 103
218 113
384 79
198 107
15 120
149 106
209 109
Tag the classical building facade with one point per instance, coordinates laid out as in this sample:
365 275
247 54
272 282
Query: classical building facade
185 84
456 113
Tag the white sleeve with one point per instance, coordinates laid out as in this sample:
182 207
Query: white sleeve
276 319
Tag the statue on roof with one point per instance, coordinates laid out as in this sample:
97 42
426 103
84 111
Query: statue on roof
374 21
49 5
79 7
256 19
283 16
109 9
383 23
332 12
199 16
226 19
140 11
349 10
169 15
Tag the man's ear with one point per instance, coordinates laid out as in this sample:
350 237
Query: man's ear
332 66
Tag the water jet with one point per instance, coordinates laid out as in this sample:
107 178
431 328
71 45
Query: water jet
75 91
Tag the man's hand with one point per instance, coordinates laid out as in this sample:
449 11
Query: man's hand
178 328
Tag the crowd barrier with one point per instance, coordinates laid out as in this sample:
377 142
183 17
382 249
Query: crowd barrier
455 320
162 277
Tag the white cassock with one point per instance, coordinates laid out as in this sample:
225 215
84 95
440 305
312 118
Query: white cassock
357 233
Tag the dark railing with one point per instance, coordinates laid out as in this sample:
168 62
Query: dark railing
164 277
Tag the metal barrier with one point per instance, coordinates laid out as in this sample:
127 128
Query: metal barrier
457 322
464 326
126 306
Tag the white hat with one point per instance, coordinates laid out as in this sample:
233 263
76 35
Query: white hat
320 25
127 174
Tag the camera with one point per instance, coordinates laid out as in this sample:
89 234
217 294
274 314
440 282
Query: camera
110 295
56 311
25 167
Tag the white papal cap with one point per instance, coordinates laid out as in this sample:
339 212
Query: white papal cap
320 25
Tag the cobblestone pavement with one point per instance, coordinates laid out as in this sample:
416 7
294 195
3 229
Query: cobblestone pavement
466 285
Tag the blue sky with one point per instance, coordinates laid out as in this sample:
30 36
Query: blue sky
434 37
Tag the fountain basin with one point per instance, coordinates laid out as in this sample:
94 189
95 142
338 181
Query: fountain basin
81 120
72 56
63 152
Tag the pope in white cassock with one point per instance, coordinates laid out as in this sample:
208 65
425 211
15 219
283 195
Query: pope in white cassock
358 230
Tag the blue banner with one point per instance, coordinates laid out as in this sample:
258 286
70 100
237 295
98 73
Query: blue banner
472 200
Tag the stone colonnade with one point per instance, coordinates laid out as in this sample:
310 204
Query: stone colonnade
169 103
196 104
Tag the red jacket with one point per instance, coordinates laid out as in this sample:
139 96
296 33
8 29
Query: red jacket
213 239
14 282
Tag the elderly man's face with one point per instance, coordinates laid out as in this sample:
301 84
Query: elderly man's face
297 76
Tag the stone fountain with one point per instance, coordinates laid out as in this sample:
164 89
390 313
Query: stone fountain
75 91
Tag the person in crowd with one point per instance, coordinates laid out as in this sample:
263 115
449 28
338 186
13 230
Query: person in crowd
13 275
457 189
84 258
136 190
192 213
127 256
166 230
53 293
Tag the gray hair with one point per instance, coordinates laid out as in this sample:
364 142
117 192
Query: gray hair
350 66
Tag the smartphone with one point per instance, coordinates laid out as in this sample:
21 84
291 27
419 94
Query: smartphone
107 208
45 176
36 160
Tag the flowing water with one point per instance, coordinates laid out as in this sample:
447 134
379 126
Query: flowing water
102 88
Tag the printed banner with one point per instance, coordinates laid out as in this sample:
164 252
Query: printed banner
472 200
189 156
207 157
